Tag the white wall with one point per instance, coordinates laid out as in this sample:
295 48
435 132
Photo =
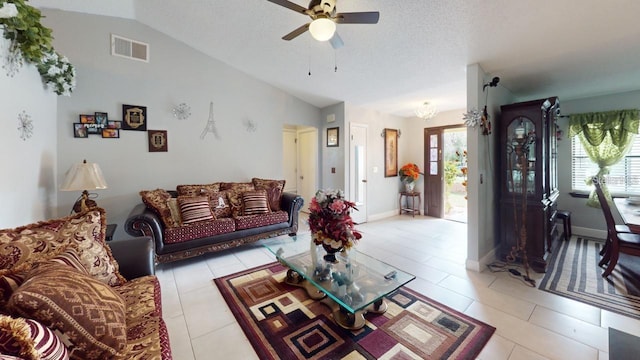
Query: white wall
28 183
176 73
482 236
382 192
333 157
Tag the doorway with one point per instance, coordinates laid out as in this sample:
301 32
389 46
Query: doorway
445 173
300 161
358 171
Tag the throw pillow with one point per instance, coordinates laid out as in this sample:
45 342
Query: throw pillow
197 190
157 200
237 186
194 209
175 211
235 202
255 202
89 314
220 204
10 282
21 247
29 340
274 189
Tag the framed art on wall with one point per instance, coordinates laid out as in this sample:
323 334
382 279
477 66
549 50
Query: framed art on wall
89 121
109 133
333 137
134 117
101 118
157 140
390 152
80 130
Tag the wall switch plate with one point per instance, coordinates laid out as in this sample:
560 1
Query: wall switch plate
375 169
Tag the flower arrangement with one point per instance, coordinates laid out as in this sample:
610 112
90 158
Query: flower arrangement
330 221
409 173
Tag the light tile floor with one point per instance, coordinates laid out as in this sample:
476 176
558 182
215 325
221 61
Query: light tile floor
531 324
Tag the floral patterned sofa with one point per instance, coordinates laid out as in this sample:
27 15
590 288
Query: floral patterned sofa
64 295
198 219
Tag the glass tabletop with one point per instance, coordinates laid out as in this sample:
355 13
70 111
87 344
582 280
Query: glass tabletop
355 281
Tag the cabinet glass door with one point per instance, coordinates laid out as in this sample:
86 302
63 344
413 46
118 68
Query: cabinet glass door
521 156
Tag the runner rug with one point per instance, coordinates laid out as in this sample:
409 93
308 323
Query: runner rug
573 272
282 322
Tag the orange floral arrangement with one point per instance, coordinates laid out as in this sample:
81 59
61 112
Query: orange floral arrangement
409 172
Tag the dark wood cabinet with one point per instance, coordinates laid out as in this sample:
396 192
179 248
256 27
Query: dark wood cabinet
528 178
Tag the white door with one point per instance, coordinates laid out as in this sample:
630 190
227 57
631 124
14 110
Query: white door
290 160
358 171
307 165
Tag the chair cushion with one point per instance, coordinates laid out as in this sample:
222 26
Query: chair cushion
198 230
89 313
147 336
254 221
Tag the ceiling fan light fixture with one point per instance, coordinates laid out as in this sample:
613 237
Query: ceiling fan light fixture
426 111
322 29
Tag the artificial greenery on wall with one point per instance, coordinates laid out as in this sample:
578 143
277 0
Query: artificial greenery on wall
31 41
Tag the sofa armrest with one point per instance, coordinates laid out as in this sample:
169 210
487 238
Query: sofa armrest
142 221
135 256
292 203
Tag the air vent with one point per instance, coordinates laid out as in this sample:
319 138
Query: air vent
131 49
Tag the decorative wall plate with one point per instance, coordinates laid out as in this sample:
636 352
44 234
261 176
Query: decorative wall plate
25 125
182 111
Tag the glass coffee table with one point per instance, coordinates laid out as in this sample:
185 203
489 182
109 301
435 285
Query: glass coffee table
351 287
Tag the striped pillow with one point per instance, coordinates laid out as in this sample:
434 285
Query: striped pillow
194 209
29 339
255 202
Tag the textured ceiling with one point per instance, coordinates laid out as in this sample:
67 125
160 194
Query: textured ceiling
417 52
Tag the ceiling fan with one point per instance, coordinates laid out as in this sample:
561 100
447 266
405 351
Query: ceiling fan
324 19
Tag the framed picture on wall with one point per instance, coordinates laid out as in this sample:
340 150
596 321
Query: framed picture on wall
390 152
157 140
134 117
109 133
333 136
80 130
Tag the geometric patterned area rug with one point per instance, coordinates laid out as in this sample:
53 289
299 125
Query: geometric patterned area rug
282 322
573 272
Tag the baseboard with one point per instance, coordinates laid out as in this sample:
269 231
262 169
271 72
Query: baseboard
481 264
594 233
382 216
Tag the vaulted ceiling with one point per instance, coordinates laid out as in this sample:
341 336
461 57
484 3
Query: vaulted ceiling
417 52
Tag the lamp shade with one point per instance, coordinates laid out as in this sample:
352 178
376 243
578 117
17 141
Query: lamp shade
322 29
84 176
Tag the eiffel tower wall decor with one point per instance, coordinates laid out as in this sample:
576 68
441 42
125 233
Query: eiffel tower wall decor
211 125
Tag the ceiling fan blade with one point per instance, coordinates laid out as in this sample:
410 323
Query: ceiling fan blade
297 32
289 5
370 17
336 41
